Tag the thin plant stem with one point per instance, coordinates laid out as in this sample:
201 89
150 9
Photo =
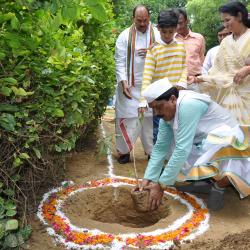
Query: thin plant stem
141 120
135 169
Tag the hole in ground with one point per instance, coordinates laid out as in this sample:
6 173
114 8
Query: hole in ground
112 205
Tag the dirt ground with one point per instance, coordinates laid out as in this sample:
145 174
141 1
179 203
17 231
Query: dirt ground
110 209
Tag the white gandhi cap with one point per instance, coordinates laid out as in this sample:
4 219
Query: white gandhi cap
156 89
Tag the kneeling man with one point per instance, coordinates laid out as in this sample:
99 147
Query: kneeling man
202 139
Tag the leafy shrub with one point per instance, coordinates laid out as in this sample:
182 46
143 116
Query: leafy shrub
57 74
11 235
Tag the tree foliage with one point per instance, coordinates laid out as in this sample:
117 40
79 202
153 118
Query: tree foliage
123 9
204 15
205 18
57 73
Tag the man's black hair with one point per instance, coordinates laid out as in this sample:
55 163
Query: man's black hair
140 6
167 19
166 95
181 11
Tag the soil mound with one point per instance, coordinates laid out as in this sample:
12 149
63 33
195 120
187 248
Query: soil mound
239 241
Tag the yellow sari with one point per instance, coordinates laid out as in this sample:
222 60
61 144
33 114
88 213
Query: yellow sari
219 82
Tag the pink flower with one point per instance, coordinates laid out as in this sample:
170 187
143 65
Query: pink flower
140 236
177 238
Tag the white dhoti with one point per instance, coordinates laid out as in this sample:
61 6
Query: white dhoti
129 129
225 152
129 68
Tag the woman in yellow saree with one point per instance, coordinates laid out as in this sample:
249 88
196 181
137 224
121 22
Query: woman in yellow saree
228 81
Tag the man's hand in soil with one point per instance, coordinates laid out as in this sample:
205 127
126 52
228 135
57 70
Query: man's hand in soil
155 195
126 89
144 183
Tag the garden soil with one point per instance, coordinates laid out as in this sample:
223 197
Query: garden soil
111 209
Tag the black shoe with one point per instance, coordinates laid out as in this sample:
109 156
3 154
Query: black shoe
216 199
123 159
203 187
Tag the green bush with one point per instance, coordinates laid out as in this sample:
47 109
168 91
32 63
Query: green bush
57 74
11 235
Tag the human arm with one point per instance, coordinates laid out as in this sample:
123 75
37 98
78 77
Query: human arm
120 63
241 74
156 163
126 89
142 52
203 49
159 152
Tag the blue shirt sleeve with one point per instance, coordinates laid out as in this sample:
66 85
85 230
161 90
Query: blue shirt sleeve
159 152
190 113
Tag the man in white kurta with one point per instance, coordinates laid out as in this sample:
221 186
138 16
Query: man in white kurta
211 54
204 140
131 48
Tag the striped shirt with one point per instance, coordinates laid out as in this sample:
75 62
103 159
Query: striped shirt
166 60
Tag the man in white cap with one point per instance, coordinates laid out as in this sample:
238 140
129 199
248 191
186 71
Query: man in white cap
203 141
